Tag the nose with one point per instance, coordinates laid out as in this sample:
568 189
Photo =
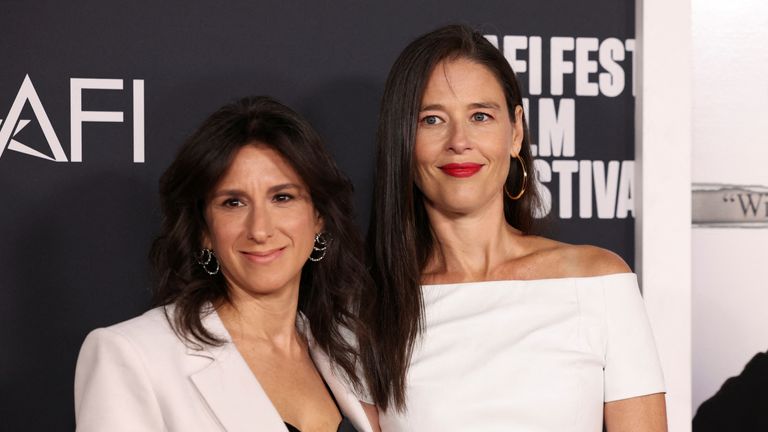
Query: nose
259 224
458 139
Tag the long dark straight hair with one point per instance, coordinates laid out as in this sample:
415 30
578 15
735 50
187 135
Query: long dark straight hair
400 239
329 291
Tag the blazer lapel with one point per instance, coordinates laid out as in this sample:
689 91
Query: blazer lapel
348 402
230 389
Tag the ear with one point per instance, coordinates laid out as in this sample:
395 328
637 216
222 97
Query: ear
205 240
319 222
518 131
205 236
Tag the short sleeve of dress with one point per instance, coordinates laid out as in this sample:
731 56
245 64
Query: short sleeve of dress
631 362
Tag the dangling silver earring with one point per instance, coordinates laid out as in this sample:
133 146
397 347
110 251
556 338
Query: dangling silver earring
320 246
204 259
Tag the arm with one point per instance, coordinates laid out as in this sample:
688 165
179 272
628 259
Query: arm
638 414
373 415
112 388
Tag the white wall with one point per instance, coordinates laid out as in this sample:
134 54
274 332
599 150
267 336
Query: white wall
663 155
730 100
730 145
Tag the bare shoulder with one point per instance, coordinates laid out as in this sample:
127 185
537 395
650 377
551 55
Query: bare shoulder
549 258
596 261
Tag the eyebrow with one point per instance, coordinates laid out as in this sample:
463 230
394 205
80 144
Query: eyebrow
483 105
271 190
284 186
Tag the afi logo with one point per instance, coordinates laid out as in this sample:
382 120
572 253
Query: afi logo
13 124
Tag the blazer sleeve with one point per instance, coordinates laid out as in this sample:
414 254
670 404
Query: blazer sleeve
113 391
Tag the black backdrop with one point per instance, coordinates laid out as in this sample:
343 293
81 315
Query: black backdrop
75 234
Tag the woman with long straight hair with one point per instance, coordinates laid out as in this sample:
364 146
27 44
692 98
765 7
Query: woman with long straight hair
477 323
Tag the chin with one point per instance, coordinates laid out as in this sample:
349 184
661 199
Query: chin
457 208
263 291
265 286
458 202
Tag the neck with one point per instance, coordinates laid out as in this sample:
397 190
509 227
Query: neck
470 246
269 318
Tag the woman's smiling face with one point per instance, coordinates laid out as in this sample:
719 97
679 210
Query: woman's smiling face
261 223
464 138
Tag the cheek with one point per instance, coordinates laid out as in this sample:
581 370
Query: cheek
426 146
223 227
510 138
422 160
499 146
506 165
301 226
221 232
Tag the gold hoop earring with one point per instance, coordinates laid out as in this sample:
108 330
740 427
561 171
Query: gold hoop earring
525 181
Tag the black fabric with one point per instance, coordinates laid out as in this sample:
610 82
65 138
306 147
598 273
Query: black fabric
741 404
344 426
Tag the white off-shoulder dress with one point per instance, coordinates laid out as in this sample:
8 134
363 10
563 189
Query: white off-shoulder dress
535 355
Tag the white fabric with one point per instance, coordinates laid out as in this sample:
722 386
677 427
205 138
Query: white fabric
139 376
538 355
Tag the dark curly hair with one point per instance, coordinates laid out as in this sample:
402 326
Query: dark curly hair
400 239
329 290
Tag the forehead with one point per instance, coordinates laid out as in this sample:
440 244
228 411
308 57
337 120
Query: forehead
259 162
464 80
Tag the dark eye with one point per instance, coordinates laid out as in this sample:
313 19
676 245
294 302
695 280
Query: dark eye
431 120
282 198
480 117
233 202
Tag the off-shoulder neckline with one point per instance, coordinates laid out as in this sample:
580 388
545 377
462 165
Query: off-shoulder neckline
534 281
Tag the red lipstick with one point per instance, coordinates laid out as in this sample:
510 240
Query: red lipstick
466 169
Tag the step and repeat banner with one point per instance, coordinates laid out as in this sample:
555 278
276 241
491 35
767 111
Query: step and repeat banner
96 98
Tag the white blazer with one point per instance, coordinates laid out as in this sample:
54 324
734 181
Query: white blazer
139 376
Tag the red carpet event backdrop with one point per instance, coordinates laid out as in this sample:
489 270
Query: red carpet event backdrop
96 98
